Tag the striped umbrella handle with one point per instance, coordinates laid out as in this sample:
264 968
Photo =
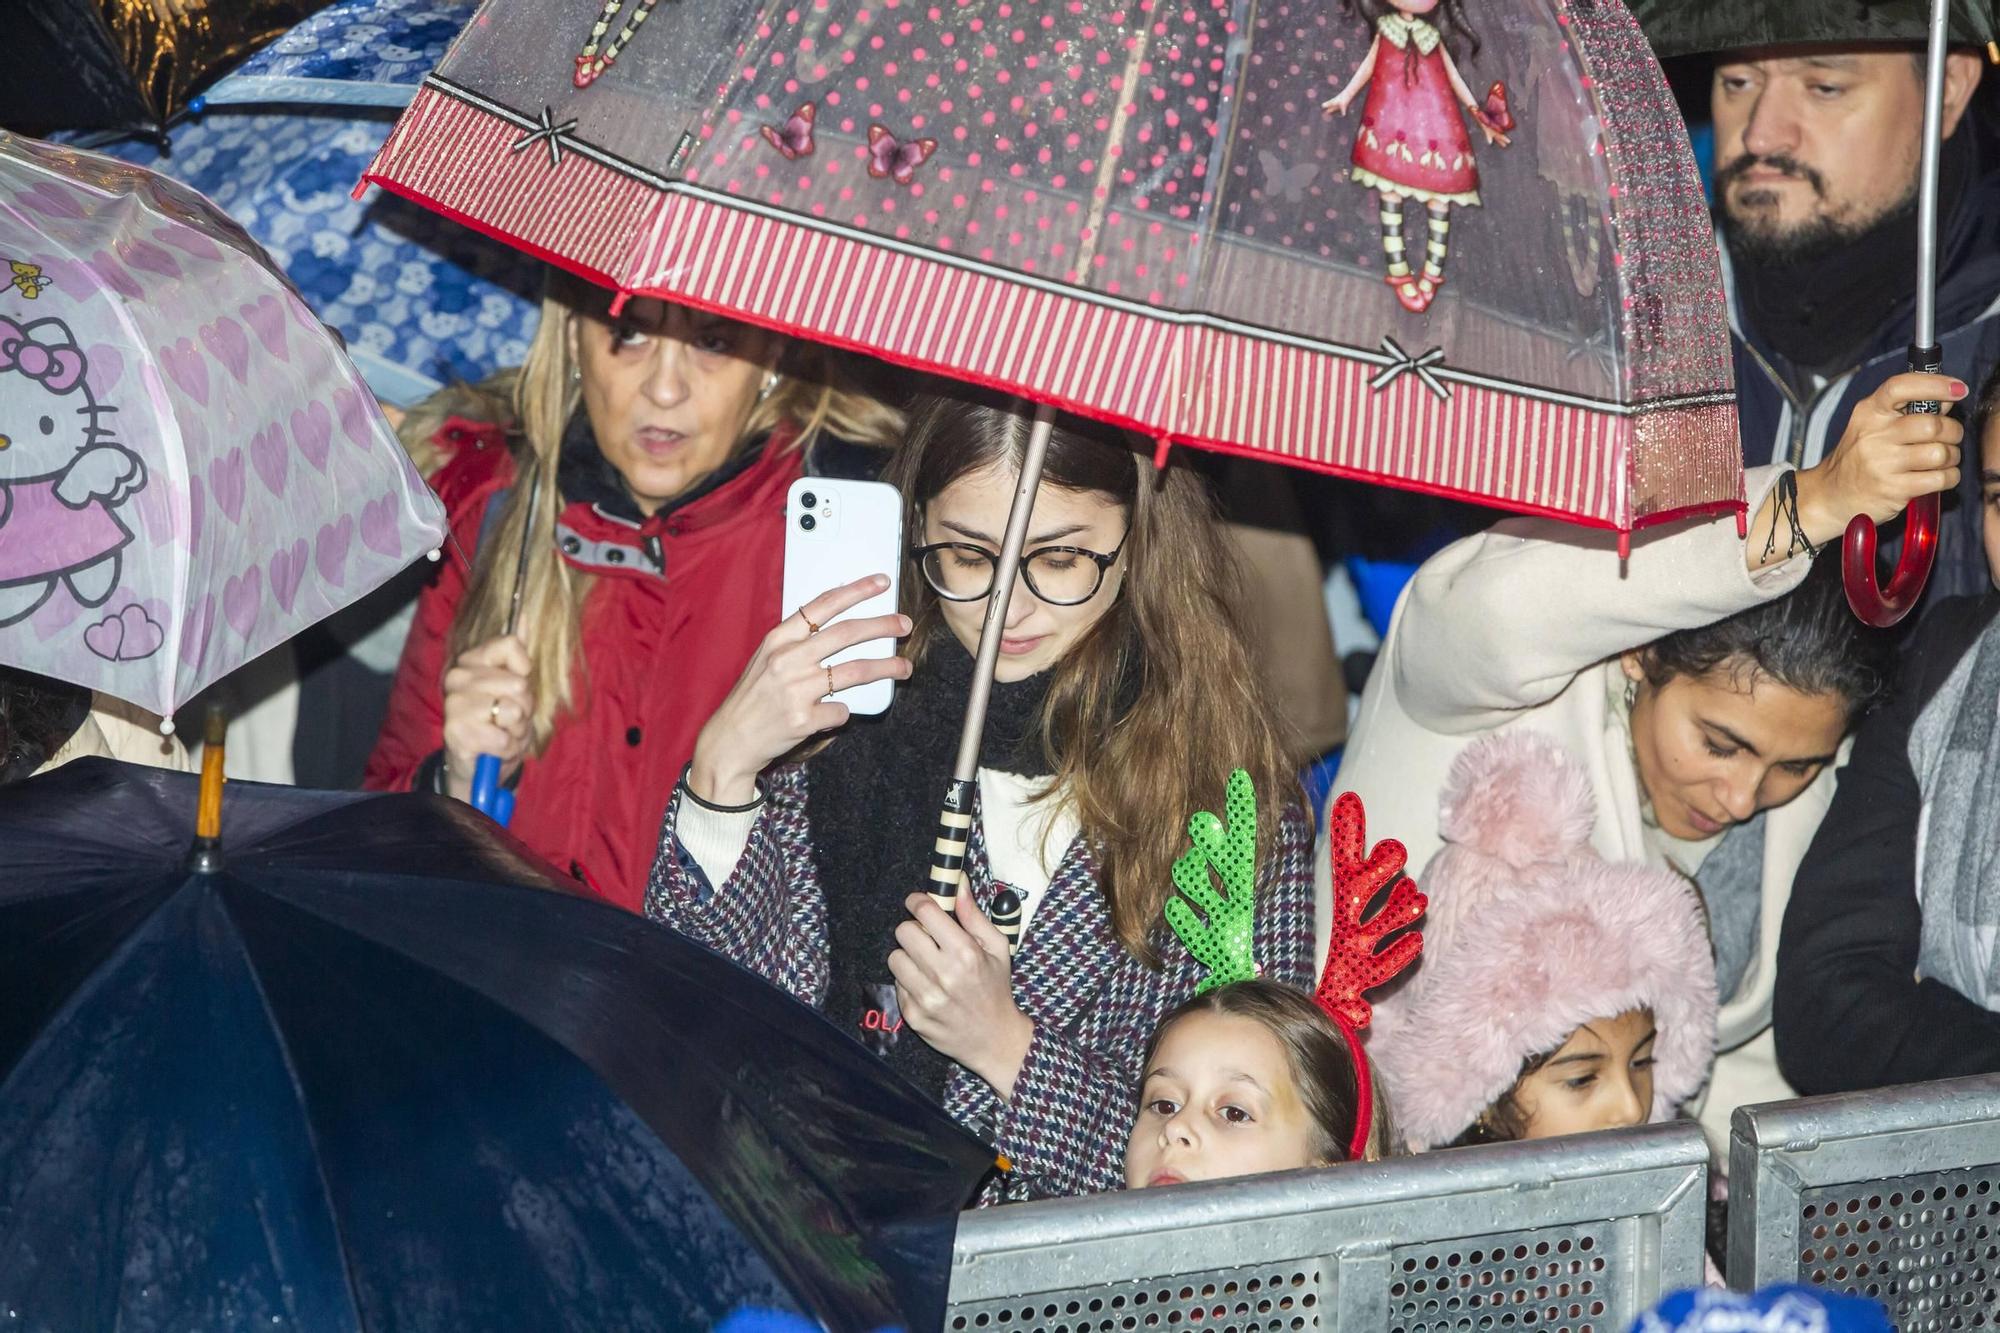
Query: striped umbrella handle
953 837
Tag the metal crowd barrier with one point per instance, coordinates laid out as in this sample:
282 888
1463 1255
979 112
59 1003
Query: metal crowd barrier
1579 1234
1893 1194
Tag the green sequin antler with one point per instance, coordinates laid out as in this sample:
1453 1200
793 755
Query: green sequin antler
1222 944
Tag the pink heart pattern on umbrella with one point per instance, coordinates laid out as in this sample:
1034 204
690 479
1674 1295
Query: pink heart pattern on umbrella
225 479
378 527
272 457
188 365
187 369
195 629
243 600
129 636
226 343
355 418
312 430
288 570
266 318
145 255
330 549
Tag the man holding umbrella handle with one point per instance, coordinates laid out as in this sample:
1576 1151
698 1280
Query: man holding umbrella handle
1855 242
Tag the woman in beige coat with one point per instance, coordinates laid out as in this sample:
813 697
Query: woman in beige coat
1688 739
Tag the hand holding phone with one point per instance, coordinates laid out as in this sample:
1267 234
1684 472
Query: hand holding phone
824 651
839 532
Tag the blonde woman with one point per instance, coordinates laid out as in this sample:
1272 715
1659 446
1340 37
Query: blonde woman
660 445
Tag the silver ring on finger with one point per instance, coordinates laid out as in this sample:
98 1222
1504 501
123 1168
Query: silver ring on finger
829 682
493 712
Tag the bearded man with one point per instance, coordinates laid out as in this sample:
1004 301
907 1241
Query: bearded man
1817 150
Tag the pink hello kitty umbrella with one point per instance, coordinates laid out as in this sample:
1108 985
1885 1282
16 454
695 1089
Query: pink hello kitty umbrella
1454 245
191 471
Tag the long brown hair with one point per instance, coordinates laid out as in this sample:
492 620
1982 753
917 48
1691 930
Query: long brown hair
1322 1067
1148 713
813 394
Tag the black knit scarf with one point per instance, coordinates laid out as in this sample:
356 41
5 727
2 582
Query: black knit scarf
873 798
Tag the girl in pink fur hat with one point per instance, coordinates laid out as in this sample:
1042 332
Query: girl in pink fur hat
1558 992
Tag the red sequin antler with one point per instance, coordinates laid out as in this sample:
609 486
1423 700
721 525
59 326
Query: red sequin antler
1355 960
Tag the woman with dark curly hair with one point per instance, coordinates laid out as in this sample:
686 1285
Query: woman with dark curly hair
1707 684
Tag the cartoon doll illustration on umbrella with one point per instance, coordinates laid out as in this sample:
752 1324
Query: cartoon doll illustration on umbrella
61 479
1412 143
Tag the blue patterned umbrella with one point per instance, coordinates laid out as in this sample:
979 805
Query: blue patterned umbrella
420 300
355 53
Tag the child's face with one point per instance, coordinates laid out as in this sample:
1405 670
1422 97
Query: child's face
1218 1101
1601 1078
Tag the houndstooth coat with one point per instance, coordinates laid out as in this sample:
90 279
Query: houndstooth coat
1093 1004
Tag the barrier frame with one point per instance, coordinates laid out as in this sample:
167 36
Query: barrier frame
1781 1151
1647 1187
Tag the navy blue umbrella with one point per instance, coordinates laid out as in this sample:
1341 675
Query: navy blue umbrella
372 1074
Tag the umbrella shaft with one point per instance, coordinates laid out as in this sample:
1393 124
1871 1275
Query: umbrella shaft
1927 183
995 627
527 544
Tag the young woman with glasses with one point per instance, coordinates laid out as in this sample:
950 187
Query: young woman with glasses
1123 698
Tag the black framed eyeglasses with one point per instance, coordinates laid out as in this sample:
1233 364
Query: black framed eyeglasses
1059 575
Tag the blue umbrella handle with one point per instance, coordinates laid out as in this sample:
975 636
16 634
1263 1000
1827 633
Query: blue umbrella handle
489 798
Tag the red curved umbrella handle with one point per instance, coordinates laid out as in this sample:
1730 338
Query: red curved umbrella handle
1880 606
1884 606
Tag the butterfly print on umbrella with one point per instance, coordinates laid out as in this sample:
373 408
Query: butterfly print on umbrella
794 138
897 159
1281 181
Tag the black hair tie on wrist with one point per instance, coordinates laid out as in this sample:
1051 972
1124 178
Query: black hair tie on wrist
711 806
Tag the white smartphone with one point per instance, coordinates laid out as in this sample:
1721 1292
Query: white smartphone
836 532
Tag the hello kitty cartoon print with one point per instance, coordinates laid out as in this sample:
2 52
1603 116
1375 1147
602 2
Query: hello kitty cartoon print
1412 142
62 480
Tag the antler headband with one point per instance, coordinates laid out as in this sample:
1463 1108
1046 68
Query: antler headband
1356 960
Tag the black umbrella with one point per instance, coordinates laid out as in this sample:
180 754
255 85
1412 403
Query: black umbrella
126 64
1682 27
362 1076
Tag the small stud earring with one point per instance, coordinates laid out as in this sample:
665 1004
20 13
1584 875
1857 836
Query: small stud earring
770 386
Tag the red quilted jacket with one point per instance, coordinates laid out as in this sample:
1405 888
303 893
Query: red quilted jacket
680 602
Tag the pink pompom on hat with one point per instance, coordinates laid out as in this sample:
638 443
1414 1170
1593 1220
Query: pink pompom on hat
1530 935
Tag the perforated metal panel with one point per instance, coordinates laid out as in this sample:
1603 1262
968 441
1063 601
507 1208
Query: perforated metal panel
1554 1278
1893 1195
1280 1300
1576 1236
1928 1246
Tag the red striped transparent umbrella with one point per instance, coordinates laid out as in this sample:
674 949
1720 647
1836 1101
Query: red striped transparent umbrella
1143 213
1269 227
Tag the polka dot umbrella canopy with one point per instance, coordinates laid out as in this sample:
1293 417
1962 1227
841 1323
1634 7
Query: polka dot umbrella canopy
1456 246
